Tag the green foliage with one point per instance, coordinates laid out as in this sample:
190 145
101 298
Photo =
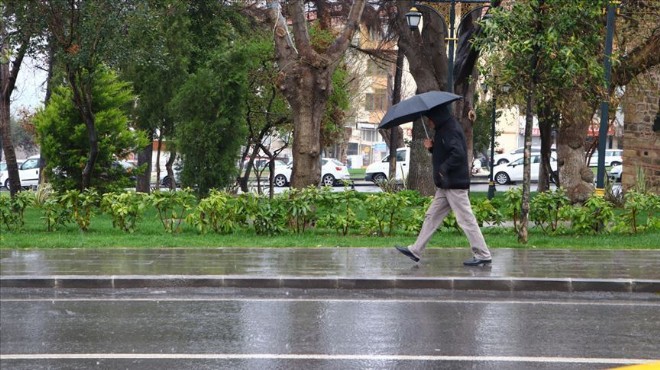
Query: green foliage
592 217
545 209
125 208
386 210
219 212
340 211
12 209
55 214
301 206
210 110
270 217
172 207
82 205
566 36
512 206
65 141
485 211
637 203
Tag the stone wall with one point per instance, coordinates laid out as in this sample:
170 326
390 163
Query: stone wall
641 145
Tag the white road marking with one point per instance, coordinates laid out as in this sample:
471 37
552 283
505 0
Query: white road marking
335 300
271 356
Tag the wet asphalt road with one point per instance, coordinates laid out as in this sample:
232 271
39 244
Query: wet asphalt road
209 328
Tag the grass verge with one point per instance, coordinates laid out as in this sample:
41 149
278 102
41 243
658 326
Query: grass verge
150 234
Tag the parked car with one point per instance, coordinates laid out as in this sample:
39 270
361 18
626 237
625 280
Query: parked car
512 172
615 173
4 174
28 172
612 158
262 163
516 154
379 171
332 172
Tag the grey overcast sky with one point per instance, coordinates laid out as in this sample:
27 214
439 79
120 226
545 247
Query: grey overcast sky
30 87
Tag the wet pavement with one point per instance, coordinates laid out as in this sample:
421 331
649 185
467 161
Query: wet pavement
628 271
247 328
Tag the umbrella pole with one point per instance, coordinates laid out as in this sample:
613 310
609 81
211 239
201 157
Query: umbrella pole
425 130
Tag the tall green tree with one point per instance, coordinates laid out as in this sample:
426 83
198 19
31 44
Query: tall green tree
84 36
65 141
210 111
162 49
570 44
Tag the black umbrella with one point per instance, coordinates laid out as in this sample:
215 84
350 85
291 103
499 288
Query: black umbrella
415 107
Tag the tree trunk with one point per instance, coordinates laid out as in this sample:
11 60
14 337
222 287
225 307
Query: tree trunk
420 175
306 136
8 146
547 120
82 97
144 157
465 111
7 84
576 177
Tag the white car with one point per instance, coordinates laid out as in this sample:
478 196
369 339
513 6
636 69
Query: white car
378 171
615 173
516 154
612 158
28 172
332 172
4 174
512 172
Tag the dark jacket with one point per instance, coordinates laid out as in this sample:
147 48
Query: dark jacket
450 167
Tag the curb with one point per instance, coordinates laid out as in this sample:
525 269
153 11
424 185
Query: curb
567 285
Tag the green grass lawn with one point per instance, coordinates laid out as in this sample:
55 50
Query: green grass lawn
150 234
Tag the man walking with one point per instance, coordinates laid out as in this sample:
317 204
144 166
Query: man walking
452 180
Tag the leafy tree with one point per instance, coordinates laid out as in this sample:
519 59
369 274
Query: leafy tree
65 142
569 41
84 36
210 111
160 33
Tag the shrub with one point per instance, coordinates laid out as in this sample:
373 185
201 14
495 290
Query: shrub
81 205
545 209
172 207
12 209
216 212
125 209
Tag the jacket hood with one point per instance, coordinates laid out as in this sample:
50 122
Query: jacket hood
440 114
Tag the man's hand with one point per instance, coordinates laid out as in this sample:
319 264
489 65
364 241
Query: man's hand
428 143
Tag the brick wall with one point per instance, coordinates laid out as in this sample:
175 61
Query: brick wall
641 145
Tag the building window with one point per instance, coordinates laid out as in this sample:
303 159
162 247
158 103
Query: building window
376 69
353 149
376 100
370 135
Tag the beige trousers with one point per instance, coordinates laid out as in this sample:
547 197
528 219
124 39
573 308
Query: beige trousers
458 201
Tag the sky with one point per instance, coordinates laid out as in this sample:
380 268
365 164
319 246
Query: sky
30 87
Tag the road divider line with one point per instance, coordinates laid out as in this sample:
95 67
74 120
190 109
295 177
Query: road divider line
334 300
357 357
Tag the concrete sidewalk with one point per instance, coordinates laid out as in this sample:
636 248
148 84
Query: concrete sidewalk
631 271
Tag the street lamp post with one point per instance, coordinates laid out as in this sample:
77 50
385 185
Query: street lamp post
496 89
604 105
491 180
413 17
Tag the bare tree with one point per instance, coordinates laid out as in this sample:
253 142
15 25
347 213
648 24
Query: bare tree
305 79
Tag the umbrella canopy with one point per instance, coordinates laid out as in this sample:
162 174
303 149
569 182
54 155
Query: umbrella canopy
415 107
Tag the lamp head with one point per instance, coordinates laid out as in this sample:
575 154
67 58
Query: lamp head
413 17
